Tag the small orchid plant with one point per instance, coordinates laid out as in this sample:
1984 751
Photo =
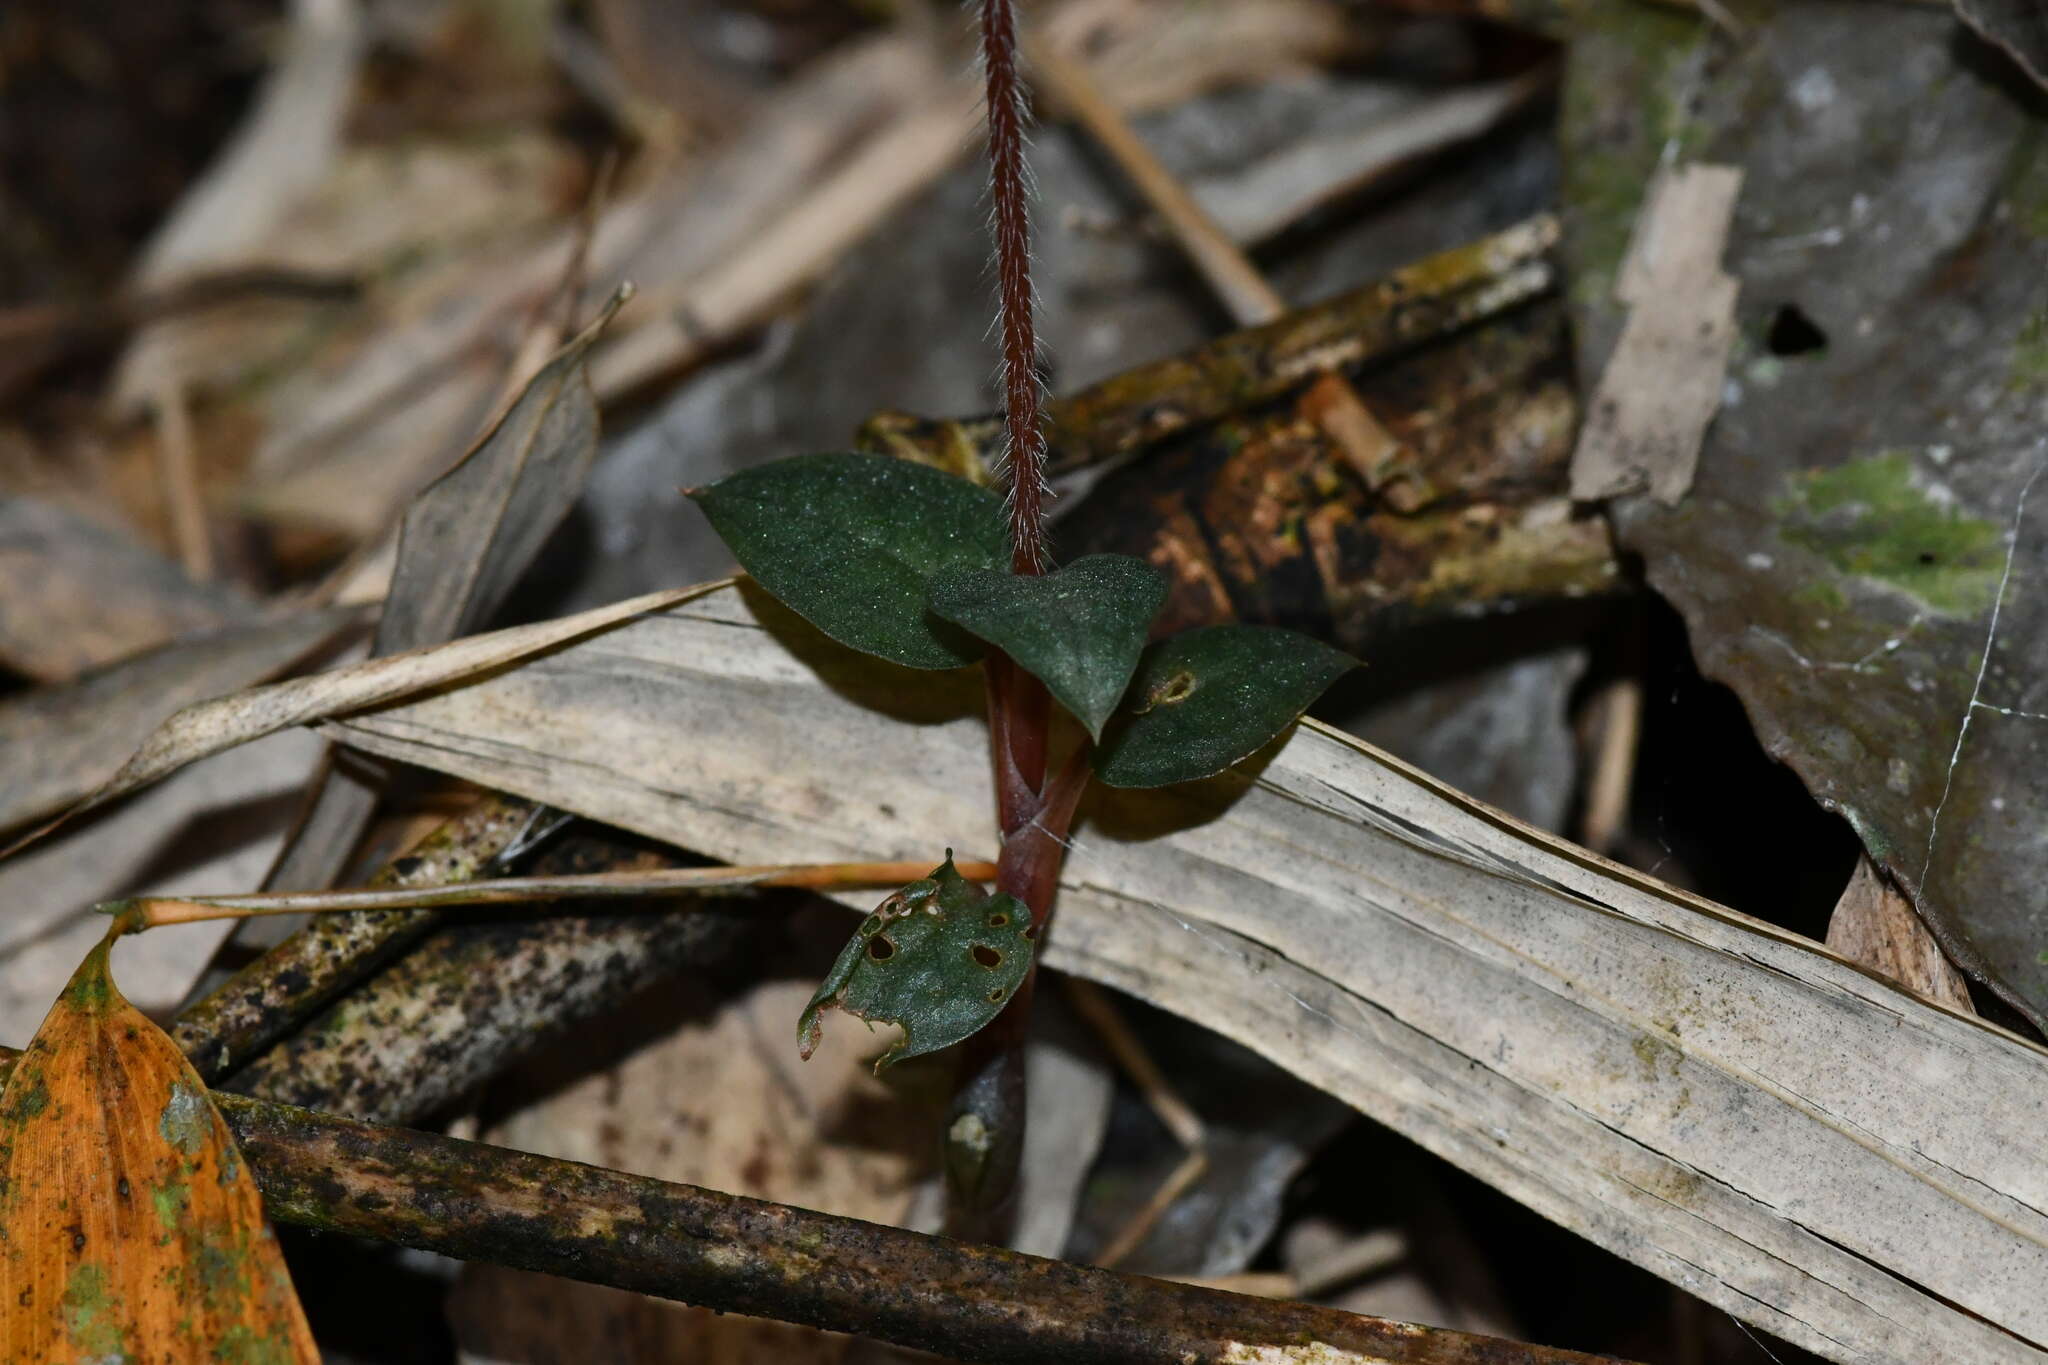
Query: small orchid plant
930 571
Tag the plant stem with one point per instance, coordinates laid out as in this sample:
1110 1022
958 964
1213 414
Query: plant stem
985 1121
1010 189
985 1131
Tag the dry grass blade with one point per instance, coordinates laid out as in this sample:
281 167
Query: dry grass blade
150 912
130 1229
212 726
1712 1098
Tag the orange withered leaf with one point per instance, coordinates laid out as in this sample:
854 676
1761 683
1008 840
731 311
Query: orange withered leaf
130 1228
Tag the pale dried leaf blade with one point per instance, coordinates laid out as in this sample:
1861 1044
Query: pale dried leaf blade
1663 382
211 726
471 533
130 1229
1714 1099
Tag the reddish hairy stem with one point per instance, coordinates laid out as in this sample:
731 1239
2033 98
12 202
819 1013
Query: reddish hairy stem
985 1130
982 1158
1010 191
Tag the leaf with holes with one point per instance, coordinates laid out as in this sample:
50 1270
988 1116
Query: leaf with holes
851 542
941 957
1078 630
130 1228
1209 697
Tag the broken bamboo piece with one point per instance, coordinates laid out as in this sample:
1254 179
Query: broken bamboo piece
1418 303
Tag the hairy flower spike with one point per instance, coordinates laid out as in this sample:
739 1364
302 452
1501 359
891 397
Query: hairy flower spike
1024 460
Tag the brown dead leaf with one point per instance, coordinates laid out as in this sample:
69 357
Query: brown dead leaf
1662 385
131 1228
1875 925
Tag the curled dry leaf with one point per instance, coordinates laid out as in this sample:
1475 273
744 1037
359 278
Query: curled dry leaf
464 542
130 1229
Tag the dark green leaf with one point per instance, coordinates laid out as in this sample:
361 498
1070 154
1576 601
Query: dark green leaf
1209 697
941 957
850 541
1079 630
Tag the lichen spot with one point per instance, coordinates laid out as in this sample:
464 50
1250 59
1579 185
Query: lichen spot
970 1134
986 956
184 1123
1292 1353
1171 690
92 1316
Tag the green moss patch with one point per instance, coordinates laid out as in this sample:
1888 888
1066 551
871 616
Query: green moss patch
1866 518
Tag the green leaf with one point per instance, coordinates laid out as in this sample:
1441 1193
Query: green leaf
941 957
1079 630
1211 696
849 542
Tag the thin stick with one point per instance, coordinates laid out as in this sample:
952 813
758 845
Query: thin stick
149 912
1095 1006
1141 1224
740 1255
1335 406
1607 795
179 467
1237 282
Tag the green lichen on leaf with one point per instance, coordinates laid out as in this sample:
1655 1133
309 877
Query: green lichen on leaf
941 957
2029 369
242 1345
92 1317
187 1121
1625 111
27 1100
1867 518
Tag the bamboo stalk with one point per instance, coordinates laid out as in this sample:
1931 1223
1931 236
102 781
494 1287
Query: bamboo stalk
277 992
